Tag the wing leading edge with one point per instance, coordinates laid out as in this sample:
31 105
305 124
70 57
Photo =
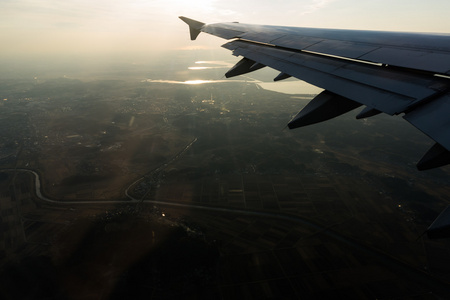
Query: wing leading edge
390 72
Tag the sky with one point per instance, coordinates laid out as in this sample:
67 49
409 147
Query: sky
29 27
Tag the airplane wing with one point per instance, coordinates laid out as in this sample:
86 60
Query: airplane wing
390 72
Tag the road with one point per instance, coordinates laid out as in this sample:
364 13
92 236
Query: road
163 166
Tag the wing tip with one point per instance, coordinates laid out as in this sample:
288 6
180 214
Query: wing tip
195 26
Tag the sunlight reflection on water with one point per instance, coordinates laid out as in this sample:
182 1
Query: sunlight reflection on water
206 68
196 81
286 87
215 62
290 87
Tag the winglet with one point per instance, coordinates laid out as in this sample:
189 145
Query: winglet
195 27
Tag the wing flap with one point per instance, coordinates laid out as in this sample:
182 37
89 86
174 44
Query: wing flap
341 48
419 60
298 43
381 88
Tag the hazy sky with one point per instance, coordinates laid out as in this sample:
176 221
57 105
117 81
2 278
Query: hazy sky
119 26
